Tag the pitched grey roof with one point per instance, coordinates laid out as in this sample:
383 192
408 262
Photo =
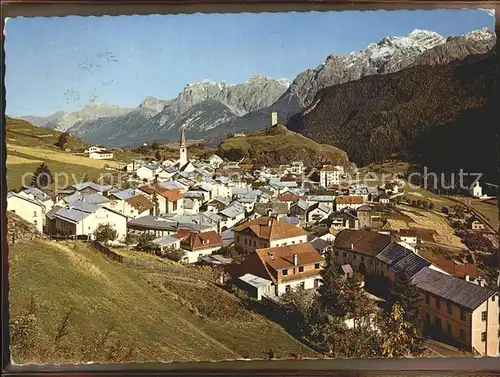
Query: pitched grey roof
71 215
53 211
458 291
276 207
321 198
412 264
255 281
95 186
232 211
37 193
291 220
393 253
194 194
320 244
124 194
165 240
13 194
168 224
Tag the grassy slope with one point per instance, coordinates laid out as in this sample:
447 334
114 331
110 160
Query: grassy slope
28 145
142 306
283 143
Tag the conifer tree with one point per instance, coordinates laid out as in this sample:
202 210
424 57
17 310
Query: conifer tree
330 290
42 177
155 202
358 305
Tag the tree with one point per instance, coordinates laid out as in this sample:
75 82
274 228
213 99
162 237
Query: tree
358 305
105 233
130 239
63 140
175 254
431 206
42 177
419 203
330 295
155 146
158 155
425 204
400 337
299 309
145 243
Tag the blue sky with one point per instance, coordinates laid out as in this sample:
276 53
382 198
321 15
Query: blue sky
57 64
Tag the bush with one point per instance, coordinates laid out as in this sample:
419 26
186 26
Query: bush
145 243
105 233
175 255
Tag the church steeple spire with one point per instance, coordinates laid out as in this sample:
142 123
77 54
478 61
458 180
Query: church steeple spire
183 138
182 149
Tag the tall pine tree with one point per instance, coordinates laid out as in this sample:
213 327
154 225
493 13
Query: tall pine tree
330 290
358 305
155 202
42 177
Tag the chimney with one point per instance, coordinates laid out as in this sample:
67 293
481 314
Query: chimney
481 282
269 221
295 259
352 246
467 278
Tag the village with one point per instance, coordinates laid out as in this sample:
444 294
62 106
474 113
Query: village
270 229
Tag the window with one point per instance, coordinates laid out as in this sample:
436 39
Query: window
35 222
484 316
449 328
345 254
287 289
427 299
354 256
362 259
34 213
438 303
316 266
462 335
448 307
301 269
254 243
427 318
246 242
462 314
293 242
483 337
285 272
492 299
303 285
336 253
238 238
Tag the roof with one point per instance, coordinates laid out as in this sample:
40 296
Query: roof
411 264
320 244
392 253
269 228
460 270
282 257
182 141
216 259
232 211
165 240
53 211
211 216
92 185
408 233
321 198
321 206
11 194
362 241
194 194
123 194
171 194
275 207
37 193
140 203
289 197
71 215
220 200
168 224
193 241
364 208
461 292
291 220
95 198
255 281
349 200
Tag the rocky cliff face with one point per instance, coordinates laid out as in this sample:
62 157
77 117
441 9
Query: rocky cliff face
62 121
391 54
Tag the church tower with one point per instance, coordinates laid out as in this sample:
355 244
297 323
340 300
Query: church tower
182 149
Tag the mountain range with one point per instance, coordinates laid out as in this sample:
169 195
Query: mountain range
210 110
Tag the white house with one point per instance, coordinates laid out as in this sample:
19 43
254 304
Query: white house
287 267
132 207
353 202
83 219
28 209
215 161
166 243
477 190
101 155
317 212
231 215
148 171
94 149
198 244
36 194
329 175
